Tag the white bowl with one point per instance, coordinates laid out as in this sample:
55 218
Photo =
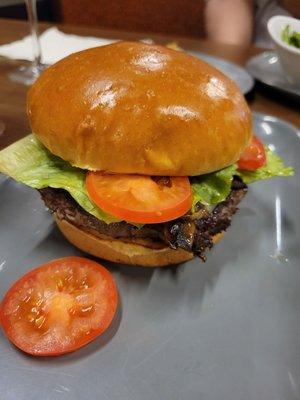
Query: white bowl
289 56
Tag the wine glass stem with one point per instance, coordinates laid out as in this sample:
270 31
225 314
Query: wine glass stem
32 17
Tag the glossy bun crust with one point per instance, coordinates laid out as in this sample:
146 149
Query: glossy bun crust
121 252
138 108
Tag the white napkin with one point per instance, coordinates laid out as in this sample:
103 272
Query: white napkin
55 46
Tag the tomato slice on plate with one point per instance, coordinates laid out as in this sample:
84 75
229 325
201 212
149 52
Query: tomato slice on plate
59 306
138 198
253 157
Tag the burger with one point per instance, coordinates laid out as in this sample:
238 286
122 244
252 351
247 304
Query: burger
141 153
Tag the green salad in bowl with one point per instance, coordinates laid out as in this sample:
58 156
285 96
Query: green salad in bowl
285 32
291 37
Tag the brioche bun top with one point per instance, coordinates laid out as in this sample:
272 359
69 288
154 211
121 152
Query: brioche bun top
142 109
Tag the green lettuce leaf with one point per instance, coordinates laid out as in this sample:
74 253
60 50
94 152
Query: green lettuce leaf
29 162
273 167
212 188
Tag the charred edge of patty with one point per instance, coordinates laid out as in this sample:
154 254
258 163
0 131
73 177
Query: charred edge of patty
196 234
192 232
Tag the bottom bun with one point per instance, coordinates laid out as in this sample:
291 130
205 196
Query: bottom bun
120 252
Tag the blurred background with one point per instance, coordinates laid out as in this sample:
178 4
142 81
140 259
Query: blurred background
229 21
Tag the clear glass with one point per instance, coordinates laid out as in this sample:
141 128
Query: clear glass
27 74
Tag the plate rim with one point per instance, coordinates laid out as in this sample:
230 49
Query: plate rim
274 118
249 68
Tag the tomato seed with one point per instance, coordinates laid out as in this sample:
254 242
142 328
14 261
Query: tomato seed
39 322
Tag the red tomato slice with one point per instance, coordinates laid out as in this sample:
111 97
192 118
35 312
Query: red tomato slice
140 199
59 306
254 156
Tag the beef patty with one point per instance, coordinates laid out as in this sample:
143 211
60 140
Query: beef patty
191 232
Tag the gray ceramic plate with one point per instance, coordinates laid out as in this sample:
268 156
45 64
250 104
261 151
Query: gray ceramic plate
266 68
228 329
238 74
